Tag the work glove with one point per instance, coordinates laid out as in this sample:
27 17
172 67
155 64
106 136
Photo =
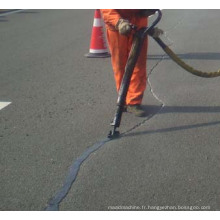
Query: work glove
123 26
157 32
147 12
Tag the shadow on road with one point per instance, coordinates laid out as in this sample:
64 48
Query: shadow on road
3 19
189 56
190 109
180 109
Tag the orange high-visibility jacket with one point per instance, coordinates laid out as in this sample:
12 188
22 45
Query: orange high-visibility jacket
120 46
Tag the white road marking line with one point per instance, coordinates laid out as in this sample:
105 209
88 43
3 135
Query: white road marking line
4 104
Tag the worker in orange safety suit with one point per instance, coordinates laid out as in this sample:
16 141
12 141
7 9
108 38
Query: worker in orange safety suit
119 35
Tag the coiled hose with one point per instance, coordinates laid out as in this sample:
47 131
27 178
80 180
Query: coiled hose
181 63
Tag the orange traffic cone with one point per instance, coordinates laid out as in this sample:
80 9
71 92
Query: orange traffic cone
98 46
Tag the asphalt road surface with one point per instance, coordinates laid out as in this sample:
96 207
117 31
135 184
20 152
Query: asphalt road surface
60 103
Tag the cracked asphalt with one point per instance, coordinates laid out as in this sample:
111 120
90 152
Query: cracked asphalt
62 103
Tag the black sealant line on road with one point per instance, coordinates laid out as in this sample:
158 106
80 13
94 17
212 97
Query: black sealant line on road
53 204
71 177
10 11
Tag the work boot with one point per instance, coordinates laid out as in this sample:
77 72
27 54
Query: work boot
137 110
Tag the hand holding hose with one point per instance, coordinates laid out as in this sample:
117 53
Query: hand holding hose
124 27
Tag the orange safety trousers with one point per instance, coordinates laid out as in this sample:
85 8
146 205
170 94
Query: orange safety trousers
120 47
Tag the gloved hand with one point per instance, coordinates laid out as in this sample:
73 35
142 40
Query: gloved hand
147 12
157 32
123 26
